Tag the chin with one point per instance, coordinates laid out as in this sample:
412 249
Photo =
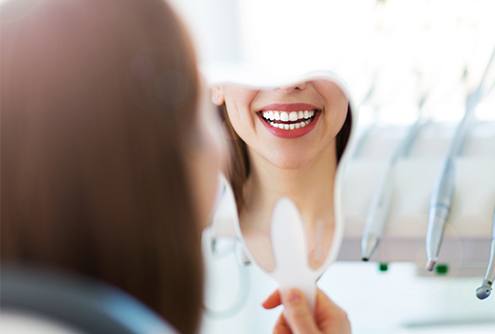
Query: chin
289 160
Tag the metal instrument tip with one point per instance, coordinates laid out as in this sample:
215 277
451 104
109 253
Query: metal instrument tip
431 265
484 290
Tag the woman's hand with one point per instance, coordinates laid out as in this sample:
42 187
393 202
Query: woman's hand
297 318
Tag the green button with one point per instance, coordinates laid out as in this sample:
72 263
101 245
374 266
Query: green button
442 269
383 266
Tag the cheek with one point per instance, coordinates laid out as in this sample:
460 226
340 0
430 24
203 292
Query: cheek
338 119
242 121
337 109
238 103
336 104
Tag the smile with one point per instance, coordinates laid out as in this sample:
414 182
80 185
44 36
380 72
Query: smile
289 120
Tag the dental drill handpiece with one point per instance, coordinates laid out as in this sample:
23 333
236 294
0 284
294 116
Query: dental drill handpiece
443 192
380 205
440 203
486 287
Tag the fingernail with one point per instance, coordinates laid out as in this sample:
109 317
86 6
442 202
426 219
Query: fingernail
294 296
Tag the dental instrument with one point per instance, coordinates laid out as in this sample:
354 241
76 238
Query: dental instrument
443 192
380 205
486 286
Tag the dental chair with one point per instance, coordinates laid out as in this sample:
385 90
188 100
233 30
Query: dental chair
35 301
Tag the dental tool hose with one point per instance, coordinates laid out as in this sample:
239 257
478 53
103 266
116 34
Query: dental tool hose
366 133
380 205
486 286
443 192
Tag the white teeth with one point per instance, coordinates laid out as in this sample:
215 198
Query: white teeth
290 126
287 116
303 118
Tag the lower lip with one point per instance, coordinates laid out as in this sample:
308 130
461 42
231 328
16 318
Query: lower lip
282 133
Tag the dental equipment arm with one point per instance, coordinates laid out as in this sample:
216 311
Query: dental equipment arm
440 204
486 287
443 193
380 205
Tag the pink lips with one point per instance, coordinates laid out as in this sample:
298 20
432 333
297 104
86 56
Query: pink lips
295 133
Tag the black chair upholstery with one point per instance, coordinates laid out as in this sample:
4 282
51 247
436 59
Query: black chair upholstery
77 303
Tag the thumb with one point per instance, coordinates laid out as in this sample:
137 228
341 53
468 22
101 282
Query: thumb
298 313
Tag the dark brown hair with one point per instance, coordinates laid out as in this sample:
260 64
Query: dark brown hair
98 99
239 165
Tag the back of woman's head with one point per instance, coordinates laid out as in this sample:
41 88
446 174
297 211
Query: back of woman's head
98 100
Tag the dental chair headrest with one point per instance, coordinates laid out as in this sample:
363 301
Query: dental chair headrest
77 303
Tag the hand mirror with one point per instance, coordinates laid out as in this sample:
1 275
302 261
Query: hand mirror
288 143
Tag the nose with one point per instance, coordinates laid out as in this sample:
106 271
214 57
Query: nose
299 86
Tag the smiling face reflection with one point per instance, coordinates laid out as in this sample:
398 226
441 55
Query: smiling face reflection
289 136
310 114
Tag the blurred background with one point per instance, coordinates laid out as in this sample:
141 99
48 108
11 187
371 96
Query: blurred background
401 49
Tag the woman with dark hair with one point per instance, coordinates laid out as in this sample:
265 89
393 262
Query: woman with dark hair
108 169
102 147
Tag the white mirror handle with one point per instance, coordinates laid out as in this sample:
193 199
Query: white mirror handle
292 269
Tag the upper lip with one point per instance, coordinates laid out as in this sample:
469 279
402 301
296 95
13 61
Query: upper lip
289 107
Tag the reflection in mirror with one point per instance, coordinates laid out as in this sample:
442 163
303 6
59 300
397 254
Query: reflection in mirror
286 141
